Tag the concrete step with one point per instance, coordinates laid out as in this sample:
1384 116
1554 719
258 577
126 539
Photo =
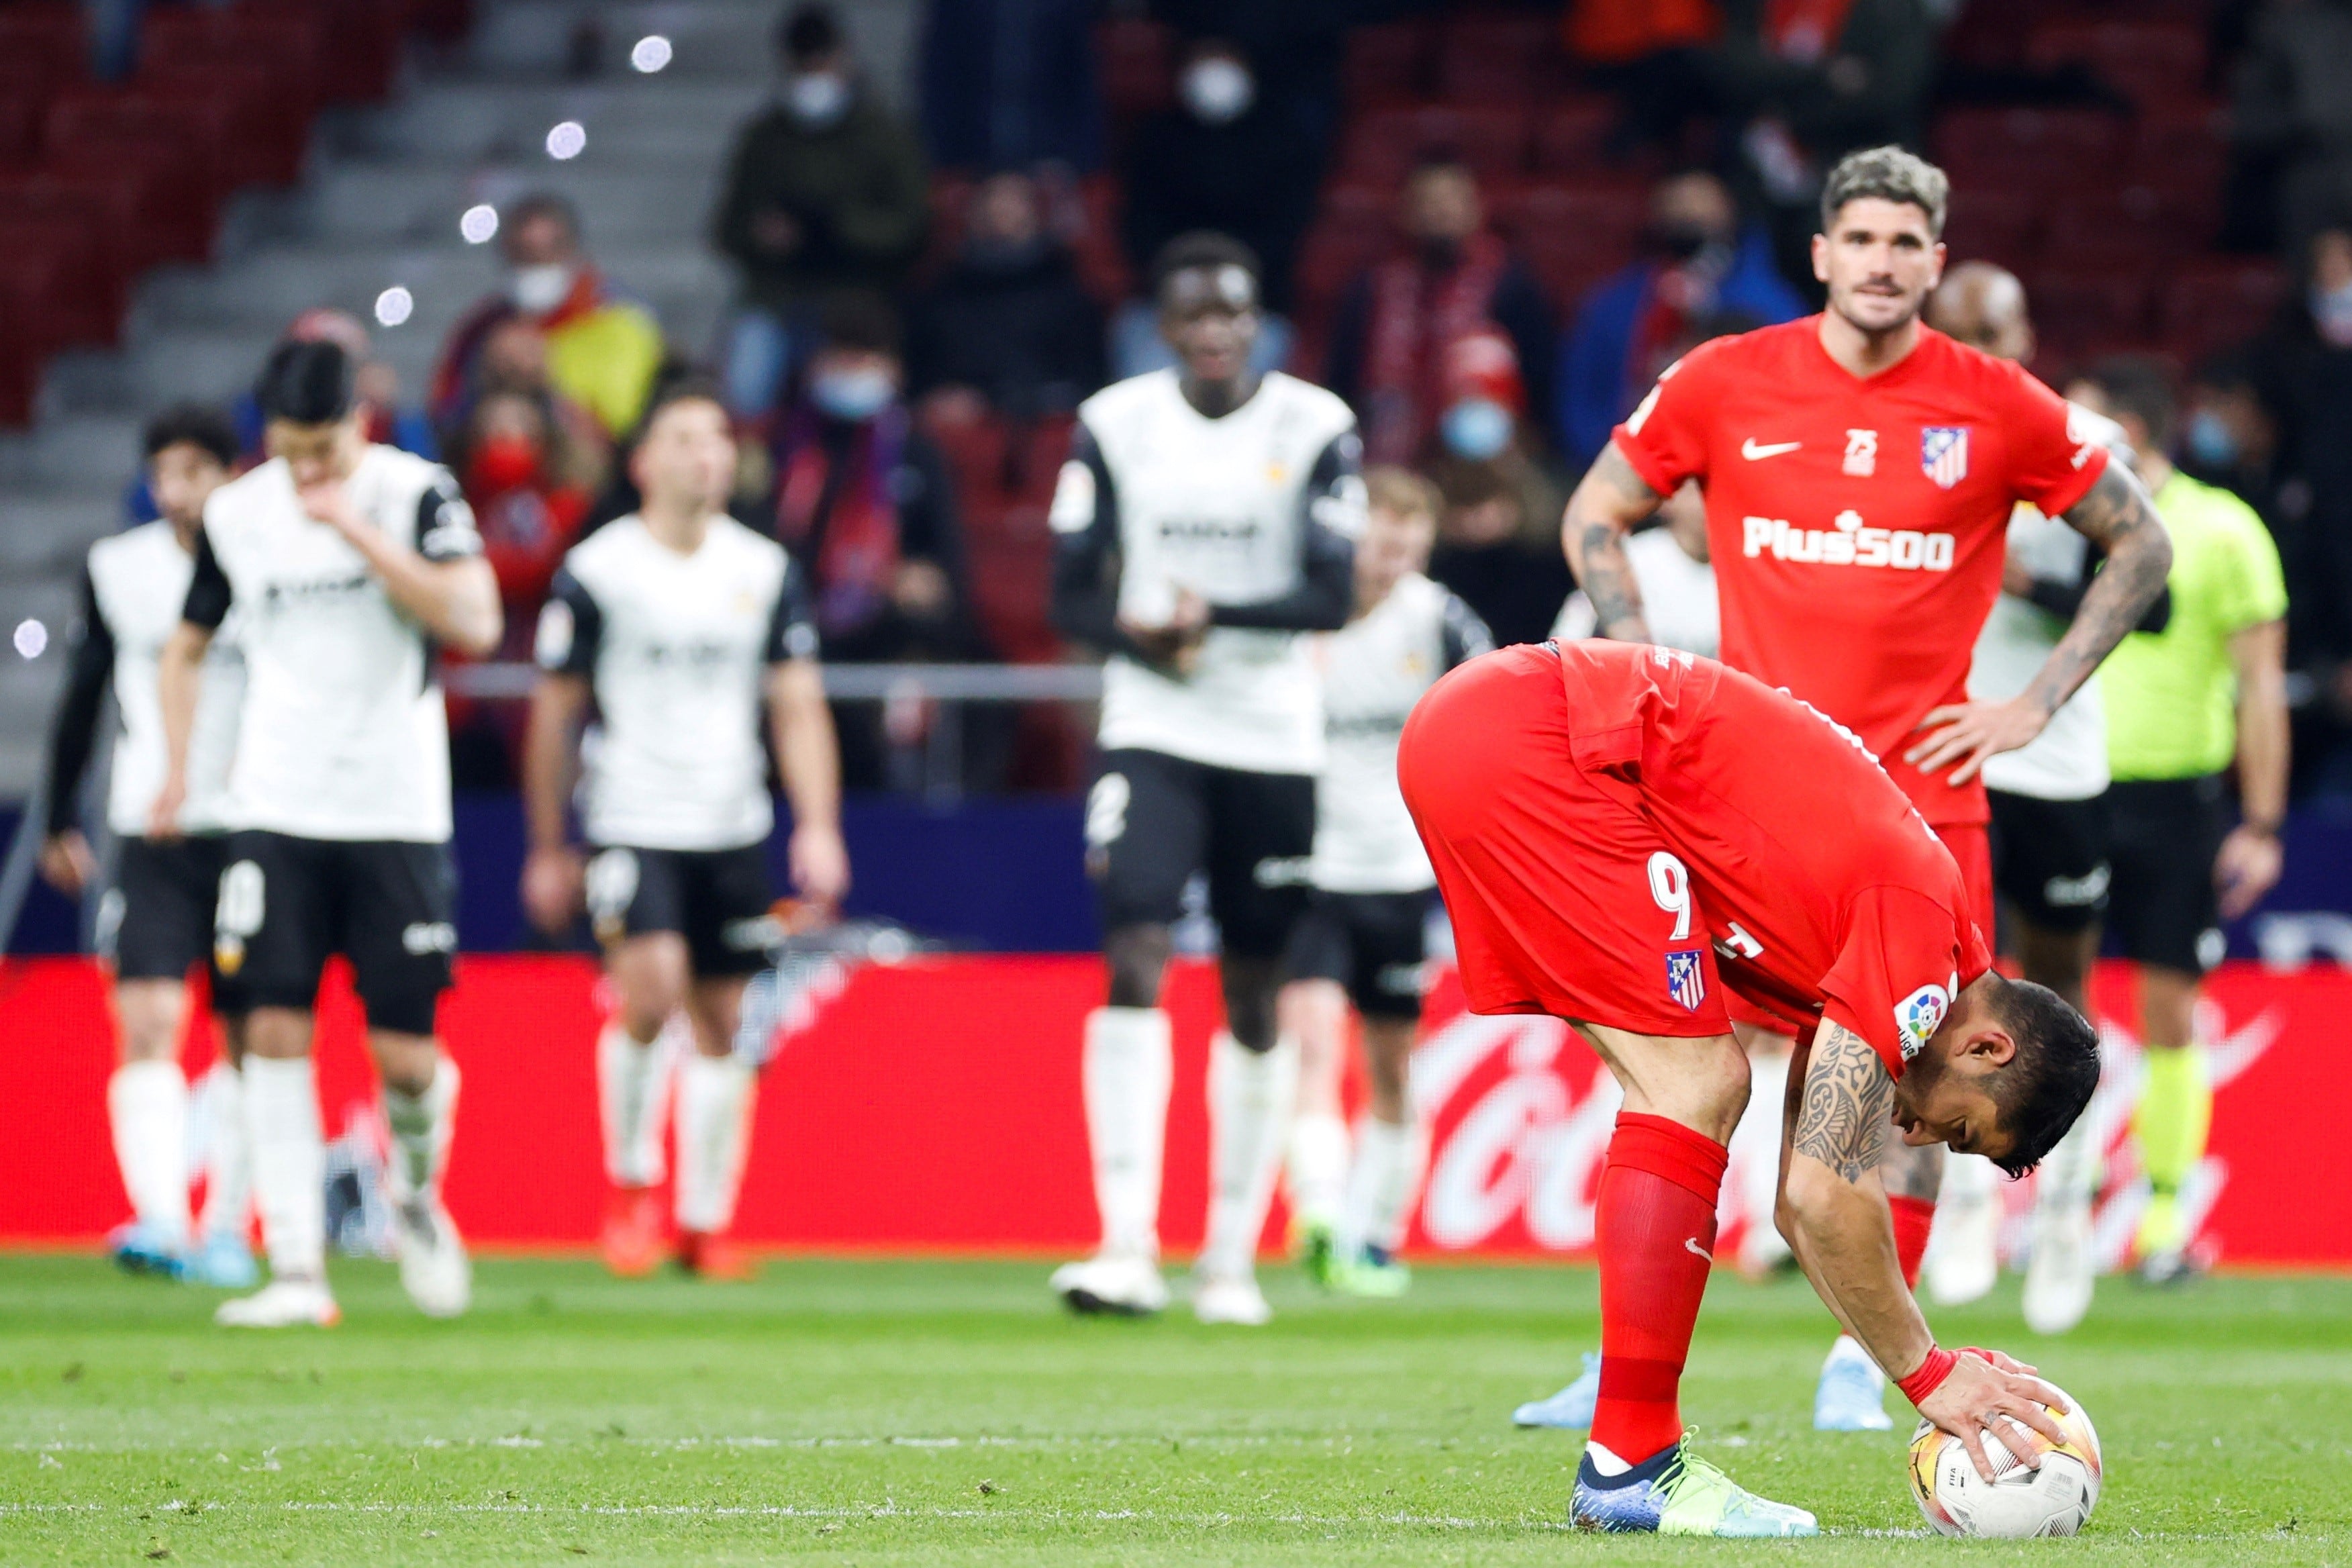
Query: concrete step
481 119
77 456
46 536
354 204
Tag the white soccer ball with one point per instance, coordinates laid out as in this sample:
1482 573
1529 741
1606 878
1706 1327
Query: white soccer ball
2054 1499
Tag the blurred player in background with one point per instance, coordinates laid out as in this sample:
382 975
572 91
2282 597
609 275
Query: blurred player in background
1363 937
156 921
346 564
2181 704
2050 834
1205 519
679 622
1860 470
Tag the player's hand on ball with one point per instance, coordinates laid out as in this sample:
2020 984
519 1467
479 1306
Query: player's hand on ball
67 863
1979 1393
550 887
1969 732
820 865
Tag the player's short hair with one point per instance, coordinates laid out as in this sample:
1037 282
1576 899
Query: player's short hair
305 384
808 30
686 386
2140 386
1402 491
1889 174
2050 1081
861 321
1204 248
543 204
198 425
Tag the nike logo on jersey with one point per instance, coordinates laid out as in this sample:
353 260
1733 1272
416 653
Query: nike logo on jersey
1753 449
1691 1246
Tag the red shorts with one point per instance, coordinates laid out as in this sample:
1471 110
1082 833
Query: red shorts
1547 870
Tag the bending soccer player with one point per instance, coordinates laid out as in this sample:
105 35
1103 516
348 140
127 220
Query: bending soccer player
1363 936
346 563
1863 460
157 919
680 622
1204 521
1621 834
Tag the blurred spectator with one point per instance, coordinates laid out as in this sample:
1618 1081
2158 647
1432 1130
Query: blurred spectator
601 349
825 194
513 359
865 503
375 383
1700 262
1652 55
528 499
1398 319
1011 82
1498 537
1008 326
2291 119
1224 158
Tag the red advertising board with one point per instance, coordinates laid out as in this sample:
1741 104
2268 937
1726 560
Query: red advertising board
934 1105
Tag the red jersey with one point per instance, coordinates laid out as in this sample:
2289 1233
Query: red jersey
1857 526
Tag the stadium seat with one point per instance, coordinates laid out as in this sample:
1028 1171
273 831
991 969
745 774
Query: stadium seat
2150 62
1380 147
19 370
118 205
2028 148
1385 64
45 36
2126 226
1572 137
1499 59
2002 226
2216 302
81 297
186 137
2073 310
1593 217
1138 58
975 450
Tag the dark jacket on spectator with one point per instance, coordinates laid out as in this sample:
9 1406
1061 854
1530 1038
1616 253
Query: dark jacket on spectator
1893 41
1011 82
1016 329
1253 178
857 188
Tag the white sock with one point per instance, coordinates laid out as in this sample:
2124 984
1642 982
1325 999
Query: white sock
632 1086
289 1159
714 1126
1125 1068
228 1164
1755 1154
2070 1176
1380 1184
148 1104
1250 1096
421 1125
1604 1462
1318 1167
1849 1348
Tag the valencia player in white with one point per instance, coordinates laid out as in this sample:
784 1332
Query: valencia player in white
678 622
1204 522
156 920
346 565
1363 936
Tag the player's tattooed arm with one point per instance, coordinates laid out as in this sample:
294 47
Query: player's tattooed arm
1848 1105
1609 500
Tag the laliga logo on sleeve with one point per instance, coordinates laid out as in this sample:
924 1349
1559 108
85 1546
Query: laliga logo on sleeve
1918 1015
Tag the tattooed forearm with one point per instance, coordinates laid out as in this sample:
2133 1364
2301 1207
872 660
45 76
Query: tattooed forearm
1848 1106
1609 584
1609 500
2118 516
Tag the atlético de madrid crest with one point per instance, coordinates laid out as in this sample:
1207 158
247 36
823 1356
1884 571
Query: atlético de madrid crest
1686 977
1944 454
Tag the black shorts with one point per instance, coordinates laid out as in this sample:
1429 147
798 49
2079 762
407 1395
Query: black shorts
1152 820
2168 833
287 903
156 921
2050 859
717 899
1372 943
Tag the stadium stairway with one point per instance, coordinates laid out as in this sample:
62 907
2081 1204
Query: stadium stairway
378 208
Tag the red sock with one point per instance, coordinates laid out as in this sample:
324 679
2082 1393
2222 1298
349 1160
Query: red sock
1914 1218
1655 1222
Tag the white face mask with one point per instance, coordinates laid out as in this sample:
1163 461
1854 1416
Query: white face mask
852 397
2331 311
816 99
1218 91
538 289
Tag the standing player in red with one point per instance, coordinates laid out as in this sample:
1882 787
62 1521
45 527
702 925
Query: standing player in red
1860 468
1620 834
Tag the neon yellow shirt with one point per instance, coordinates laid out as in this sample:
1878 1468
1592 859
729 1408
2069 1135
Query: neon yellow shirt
604 361
2172 696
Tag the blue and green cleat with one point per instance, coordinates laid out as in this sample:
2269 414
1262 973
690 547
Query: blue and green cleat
1673 1493
1570 1410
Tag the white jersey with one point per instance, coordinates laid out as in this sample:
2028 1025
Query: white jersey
342 733
1677 598
2068 760
1374 670
138 583
675 648
1240 510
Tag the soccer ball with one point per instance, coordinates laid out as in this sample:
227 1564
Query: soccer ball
2055 1499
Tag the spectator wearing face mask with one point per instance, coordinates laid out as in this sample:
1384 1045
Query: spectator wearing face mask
1498 535
1008 326
825 194
1699 260
1397 319
602 348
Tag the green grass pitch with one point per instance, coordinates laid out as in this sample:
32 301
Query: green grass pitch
946 1412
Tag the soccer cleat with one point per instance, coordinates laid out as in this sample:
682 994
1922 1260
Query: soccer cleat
139 1247
1236 1299
1851 1396
2169 1268
707 1255
1318 1254
282 1304
1964 1264
1570 1410
434 1268
1374 1273
1673 1493
1120 1286
634 1231
2058 1283
223 1262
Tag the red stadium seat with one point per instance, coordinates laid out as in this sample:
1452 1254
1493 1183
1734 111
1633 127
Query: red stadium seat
1993 224
2151 63
1504 58
1380 147
118 206
976 453
81 297
2028 148
1038 457
2218 302
1590 217
1138 58
2075 309
1573 138
45 36
188 137
2126 226
1386 63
